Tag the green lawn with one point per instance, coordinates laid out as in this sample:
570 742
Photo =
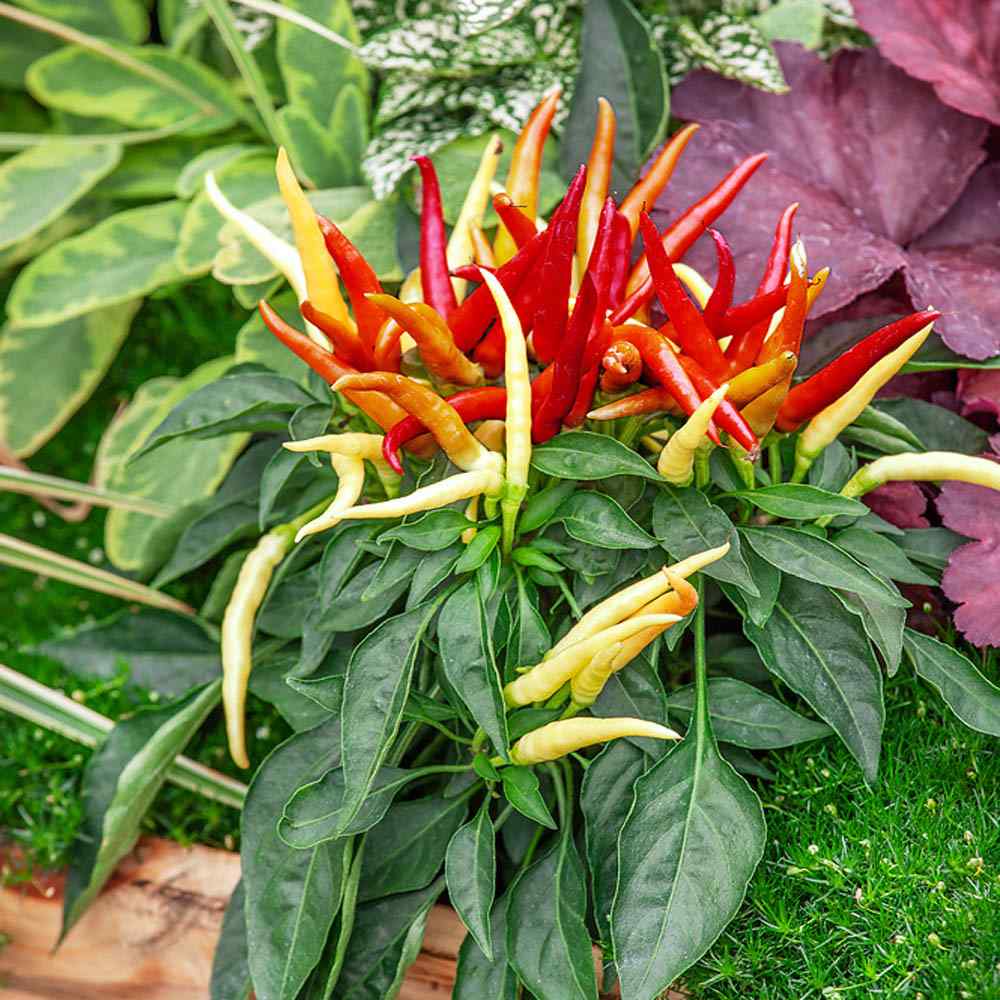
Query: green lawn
890 891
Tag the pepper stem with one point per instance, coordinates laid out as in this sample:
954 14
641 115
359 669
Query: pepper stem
701 721
510 504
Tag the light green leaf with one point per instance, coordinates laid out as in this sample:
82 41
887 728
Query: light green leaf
38 185
150 171
125 20
470 871
47 373
793 21
120 259
148 87
215 159
120 782
256 344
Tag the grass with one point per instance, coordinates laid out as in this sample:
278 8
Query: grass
890 891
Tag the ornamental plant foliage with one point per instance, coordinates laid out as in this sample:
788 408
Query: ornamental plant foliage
500 624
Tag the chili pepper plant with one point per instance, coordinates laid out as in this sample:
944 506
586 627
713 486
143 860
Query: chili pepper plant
548 548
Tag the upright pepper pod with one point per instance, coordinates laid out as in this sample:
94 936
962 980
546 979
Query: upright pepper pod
727 416
676 461
788 335
525 168
521 228
434 273
566 736
346 343
656 400
752 383
599 164
829 422
725 283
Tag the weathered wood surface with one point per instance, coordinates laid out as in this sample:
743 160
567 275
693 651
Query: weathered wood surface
151 934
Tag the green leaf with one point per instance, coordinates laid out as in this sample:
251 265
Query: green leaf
470 871
164 652
149 171
230 963
883 624
685 523
768 582
71 357
832 469
818 648
385 941
620 61
255 344
690 844
243 401
793 21
118 260
938 428
378 682
635 693
931 547
605 801
747 717
292 896
434 531
547 938
120 782
881 555
584 455
215 159
41 183
144 87
798 502
886 429
478 550
467 661
406 849
520 786
598 520
809 557
973 698
180 474
935 356
478 978
530 639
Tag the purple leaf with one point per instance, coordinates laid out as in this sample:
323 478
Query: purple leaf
974 218
901 504
952 44
972 579
979 392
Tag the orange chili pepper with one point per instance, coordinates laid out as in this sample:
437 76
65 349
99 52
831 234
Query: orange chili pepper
659 399
622 364
602 154
481 249
788 336
345 341
748 385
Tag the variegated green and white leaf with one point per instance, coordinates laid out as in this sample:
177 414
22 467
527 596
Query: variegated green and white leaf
215 159
249 296
327 87
124 20
71 356
420 44
150 171
147 88
244 181
41 183
120 259
478 16
83 214
178 474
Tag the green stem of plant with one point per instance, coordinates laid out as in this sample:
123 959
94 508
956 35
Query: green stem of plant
557 783
510 504
532 847
567 769
503 817
774 462
702 469
700 667
348 907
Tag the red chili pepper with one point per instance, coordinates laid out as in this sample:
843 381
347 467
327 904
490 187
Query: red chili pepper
566 368
726 416
434 277
739 319
484 403
359 279
722 295
678 239
470 272
660 361
520 227
621 258
602 262
556 273
596 347
692 333
788 335
745 347
831 382
345 342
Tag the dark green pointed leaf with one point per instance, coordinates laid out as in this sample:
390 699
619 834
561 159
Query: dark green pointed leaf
230 963
809 557
685 855
747 717
470 871
351 609
540 508
478 550
598 520
636 692
520 786
466 650
832 469
973 698
406 849
799 502
584 455
685 523
547 938
938 428
120 782
435 530
883 623
819 649
477 978
605 800
768 581
931 547
292 896
394 573
881 555
432 570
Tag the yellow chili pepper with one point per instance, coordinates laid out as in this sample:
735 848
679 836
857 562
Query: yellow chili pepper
492 433
585 686
748 385
322 283
517 380
544 679
450 432
676 461
350 471
565 736
930 466
461 243
602 154
350 444
525 169
828 423
435 341
761 413
482 251
237 634
629 600
695 283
